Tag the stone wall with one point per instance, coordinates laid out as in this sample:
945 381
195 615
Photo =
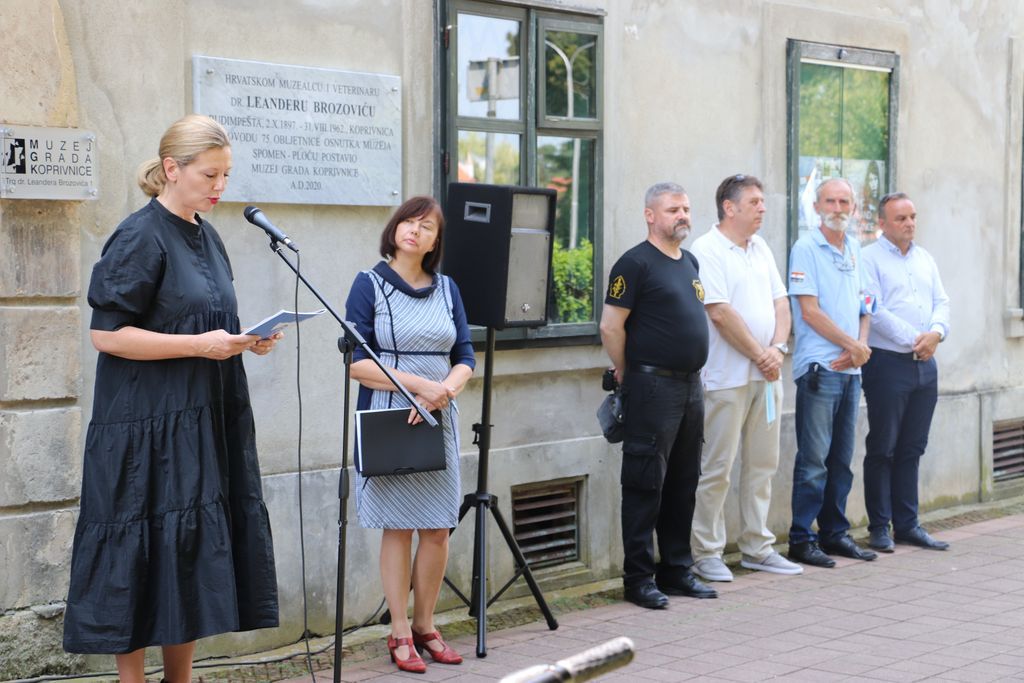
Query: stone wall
40 359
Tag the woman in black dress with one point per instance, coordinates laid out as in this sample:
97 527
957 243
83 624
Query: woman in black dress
173 539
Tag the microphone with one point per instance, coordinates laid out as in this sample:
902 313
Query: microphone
255 216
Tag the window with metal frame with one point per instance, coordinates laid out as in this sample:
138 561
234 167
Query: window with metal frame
842 123
523 106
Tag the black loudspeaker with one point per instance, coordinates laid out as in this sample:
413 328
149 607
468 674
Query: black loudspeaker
497 247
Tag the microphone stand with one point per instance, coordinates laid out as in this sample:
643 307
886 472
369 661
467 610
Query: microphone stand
346 344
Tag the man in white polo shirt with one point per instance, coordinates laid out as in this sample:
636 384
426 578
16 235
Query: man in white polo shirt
749 321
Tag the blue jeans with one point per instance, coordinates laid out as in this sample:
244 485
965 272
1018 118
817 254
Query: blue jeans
826 418
901 394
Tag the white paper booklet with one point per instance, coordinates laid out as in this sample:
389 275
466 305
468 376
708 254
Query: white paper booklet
279 321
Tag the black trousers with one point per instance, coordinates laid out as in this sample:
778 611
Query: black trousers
901 394
661 451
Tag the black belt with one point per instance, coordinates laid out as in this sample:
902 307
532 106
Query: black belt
902 355
663 372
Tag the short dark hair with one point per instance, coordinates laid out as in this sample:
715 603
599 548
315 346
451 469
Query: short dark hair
891 197
730 189
414 207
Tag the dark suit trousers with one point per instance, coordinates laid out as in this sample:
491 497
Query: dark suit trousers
661 451
901 394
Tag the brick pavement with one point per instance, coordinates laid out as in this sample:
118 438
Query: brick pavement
913 615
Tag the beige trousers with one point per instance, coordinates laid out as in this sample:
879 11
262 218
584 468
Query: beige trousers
735 421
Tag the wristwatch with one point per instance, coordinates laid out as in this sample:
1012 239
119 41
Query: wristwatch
783 347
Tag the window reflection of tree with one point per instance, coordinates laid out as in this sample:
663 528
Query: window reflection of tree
473 157
871 192
844 116
567 51
572 263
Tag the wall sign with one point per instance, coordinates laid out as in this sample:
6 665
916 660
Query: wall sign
47 163
303 135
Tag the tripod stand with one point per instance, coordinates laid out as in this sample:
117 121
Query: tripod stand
482 501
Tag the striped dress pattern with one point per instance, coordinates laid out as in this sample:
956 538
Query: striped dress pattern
415 335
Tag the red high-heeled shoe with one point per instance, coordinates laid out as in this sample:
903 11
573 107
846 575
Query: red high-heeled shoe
413 663
446 655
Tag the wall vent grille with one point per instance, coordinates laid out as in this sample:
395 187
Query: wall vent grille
1008 450
545 522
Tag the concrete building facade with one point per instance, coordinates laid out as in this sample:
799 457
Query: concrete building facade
689 91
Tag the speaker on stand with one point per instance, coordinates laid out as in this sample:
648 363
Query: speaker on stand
497 248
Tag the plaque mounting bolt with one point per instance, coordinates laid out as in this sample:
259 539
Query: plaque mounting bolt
91 137
394 89
394 193
4 131
93 192
209 72
526 308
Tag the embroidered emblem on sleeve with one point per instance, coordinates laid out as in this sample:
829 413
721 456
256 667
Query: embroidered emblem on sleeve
796 276
617 287
699 288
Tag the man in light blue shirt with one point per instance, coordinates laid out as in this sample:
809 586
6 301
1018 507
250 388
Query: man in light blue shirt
901 378
831 328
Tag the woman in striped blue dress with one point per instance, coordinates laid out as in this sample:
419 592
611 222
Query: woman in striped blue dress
413 318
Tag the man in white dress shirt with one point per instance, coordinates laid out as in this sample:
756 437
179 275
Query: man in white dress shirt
901 378
749 321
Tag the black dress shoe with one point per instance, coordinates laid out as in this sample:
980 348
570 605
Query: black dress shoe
921 538
689 585
646 595
810 553
845 546
881 541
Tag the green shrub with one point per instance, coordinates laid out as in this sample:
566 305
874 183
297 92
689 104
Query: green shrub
573 287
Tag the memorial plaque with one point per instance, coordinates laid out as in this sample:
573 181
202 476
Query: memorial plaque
47 163
303 135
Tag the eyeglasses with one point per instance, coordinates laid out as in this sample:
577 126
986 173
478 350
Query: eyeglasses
845 265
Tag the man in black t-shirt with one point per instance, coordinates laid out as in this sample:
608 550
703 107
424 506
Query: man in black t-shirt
654 330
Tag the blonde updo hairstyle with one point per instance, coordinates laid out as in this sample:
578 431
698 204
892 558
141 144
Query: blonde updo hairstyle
186 139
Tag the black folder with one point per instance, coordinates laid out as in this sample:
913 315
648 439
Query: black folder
387 444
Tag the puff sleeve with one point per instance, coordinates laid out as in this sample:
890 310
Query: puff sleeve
126 279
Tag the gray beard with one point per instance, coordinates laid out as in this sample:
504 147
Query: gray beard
838 223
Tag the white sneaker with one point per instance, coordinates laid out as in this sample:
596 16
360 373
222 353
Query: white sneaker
774 564
711 569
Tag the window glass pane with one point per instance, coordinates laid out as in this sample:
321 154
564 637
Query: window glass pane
570 74
844 131
566 165
488 158
866 144
488 66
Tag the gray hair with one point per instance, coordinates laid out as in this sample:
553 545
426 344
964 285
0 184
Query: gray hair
840 179
891 197
658 189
